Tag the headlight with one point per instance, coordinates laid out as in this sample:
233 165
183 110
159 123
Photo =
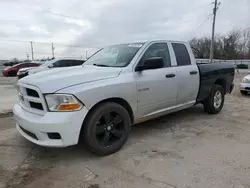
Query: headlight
62 102
245 80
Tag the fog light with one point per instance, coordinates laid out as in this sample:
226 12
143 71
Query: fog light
54 136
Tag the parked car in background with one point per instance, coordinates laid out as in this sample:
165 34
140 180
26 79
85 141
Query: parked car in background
242 66
245 85
12 71
11 63
118 86
56 63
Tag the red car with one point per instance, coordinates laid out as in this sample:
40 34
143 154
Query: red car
12 71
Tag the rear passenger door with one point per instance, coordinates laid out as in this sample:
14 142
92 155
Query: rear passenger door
187 75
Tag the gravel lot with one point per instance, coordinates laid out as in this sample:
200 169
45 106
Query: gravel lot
187 149
8 94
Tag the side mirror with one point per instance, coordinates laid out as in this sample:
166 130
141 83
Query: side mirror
151 63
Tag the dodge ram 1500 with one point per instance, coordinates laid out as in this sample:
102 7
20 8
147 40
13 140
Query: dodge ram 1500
117 87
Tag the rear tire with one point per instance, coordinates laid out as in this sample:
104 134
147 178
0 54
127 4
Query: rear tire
106 128
215 101
12 73
244 92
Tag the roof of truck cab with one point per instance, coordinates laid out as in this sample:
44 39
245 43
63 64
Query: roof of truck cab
160 40
69 58
147 42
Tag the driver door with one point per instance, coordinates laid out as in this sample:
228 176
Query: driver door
156 88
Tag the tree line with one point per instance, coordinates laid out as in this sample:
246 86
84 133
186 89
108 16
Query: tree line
233 45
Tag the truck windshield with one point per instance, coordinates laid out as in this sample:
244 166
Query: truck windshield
114 56
49 63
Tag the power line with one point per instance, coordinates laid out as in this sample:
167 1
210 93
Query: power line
203 23
57 44
63 15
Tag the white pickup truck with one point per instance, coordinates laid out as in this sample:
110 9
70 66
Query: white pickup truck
117 87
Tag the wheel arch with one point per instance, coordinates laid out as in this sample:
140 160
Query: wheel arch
11 73
222 83
117 100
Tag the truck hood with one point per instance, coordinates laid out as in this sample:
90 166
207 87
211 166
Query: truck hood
56 79
38 69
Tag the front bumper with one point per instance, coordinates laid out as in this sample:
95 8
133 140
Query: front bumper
4 73
245 87
35 128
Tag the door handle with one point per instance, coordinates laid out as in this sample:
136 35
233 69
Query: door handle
170 75
193 72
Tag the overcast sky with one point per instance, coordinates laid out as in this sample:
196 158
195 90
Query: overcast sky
95 23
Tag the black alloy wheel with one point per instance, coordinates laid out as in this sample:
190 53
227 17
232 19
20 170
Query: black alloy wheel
109 129
106 128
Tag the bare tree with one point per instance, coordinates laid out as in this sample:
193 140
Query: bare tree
234 45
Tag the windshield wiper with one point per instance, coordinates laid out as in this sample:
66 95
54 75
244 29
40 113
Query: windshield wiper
100 65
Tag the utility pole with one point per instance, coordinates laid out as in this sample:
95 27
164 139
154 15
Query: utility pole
86 54
53 51
27 56
216 6
32 51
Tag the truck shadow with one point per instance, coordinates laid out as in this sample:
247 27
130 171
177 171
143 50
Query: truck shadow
170 120
162 124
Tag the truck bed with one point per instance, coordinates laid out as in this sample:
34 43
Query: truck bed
214 73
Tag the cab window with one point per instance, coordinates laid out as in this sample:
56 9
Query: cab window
157 50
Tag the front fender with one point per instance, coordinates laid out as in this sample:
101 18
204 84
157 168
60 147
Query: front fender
92 93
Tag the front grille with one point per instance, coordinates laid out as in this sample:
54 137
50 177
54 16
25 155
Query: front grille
38 106
32 93
28 133
31 99
247 88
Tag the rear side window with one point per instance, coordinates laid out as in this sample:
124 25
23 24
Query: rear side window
181 54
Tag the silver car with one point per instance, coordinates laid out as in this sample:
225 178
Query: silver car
245 85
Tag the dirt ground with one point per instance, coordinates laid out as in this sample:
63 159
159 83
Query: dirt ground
188 149
8 93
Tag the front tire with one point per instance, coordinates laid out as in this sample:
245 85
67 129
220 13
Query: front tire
244 92
215 101
106 128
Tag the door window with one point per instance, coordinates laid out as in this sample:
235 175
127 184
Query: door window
181 54
157 50
23 65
